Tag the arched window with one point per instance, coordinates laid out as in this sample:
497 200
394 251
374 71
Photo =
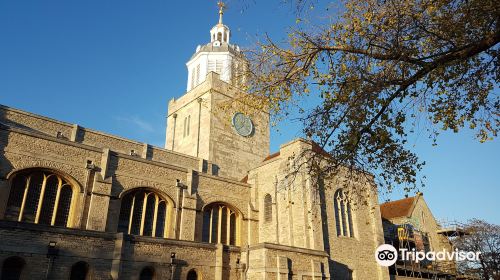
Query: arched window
343 215
79 271
219 37
192 275
144 213
12 268
147 273
268 208
40 197
220 224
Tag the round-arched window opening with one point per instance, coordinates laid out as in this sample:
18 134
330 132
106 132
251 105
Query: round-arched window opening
40 196
12 268
192 275
144 212
79 271
221 224
147 273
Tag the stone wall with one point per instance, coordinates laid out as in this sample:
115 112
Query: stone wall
43 126
298 242
303 216
103 169
111 255
272 261
212 136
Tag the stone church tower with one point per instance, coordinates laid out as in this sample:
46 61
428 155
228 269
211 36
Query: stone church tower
76 203
196 123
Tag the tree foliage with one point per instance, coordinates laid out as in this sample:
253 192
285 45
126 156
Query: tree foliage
485 238
380 70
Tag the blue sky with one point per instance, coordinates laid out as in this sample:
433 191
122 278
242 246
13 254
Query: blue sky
113 65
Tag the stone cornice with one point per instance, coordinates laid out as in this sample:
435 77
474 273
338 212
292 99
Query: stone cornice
288 249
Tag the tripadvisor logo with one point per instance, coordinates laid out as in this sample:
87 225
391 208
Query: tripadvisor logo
387 255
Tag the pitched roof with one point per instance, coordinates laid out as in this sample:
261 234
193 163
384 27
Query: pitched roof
224 47
272 156
315 148
397 208
245 179
319 150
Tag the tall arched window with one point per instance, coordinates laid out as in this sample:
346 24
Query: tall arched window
220 224
40 197
343 214
79 271
12 268
268 208
147 273
144 212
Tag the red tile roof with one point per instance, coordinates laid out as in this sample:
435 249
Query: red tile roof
319 150
397 208
315 148
272 156
245 179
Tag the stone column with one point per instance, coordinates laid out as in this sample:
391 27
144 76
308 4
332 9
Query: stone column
316 272
99 204
117 255
283 268
188 217
219 261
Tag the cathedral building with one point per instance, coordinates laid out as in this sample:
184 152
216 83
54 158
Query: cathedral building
76 203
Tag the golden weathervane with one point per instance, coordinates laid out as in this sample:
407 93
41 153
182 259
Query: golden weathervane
222 6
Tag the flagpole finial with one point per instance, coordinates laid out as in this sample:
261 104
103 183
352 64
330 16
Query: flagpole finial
222 6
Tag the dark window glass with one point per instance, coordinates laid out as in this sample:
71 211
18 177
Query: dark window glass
12 268
15 198
79 271
49 199
149 216
147 273
135 227
125 214
192 275
160 219
64 206
33 196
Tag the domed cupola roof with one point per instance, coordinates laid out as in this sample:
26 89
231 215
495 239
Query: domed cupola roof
217 56
220 32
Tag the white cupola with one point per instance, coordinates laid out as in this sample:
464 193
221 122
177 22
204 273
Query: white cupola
217 56
220 33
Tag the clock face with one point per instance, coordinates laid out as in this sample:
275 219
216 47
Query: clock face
243 124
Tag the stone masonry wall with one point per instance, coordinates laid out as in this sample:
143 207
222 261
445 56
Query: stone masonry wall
303 216
103 170
212 136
